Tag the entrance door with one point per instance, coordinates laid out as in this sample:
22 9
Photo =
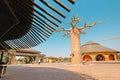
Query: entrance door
87 58
111 57
100 57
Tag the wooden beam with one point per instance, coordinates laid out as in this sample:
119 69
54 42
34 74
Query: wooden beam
54 9
62 5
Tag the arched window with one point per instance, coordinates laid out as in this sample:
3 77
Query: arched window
111 57
87 58
100 57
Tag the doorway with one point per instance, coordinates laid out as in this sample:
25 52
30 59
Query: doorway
100 57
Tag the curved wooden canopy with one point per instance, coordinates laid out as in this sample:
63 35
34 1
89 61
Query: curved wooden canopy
25 23
27 52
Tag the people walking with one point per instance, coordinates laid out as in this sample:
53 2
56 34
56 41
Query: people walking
39 61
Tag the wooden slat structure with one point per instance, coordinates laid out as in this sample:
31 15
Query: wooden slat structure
27 52
26 23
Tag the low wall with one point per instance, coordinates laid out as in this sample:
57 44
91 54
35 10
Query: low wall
102 62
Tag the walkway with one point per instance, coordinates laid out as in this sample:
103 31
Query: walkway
63 71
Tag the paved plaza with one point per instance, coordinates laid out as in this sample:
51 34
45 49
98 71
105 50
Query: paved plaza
63 71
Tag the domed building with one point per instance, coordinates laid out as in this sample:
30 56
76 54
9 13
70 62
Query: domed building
92 51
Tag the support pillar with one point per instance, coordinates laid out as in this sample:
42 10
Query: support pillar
36 58
12 61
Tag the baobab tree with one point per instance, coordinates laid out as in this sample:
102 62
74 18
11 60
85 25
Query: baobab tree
74 34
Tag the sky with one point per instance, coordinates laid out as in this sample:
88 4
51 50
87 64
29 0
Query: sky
89 11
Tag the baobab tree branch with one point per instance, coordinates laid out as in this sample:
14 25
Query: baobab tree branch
86 27
63 29
74 21
66 34
60 29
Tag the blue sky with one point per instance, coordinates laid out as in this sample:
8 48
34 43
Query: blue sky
89 11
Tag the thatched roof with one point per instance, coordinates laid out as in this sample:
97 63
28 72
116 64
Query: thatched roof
95 47
27 50
26 23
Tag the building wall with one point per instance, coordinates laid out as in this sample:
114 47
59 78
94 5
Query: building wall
103 56
49 60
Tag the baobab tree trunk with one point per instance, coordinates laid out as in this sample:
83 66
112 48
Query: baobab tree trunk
76 55
74 34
